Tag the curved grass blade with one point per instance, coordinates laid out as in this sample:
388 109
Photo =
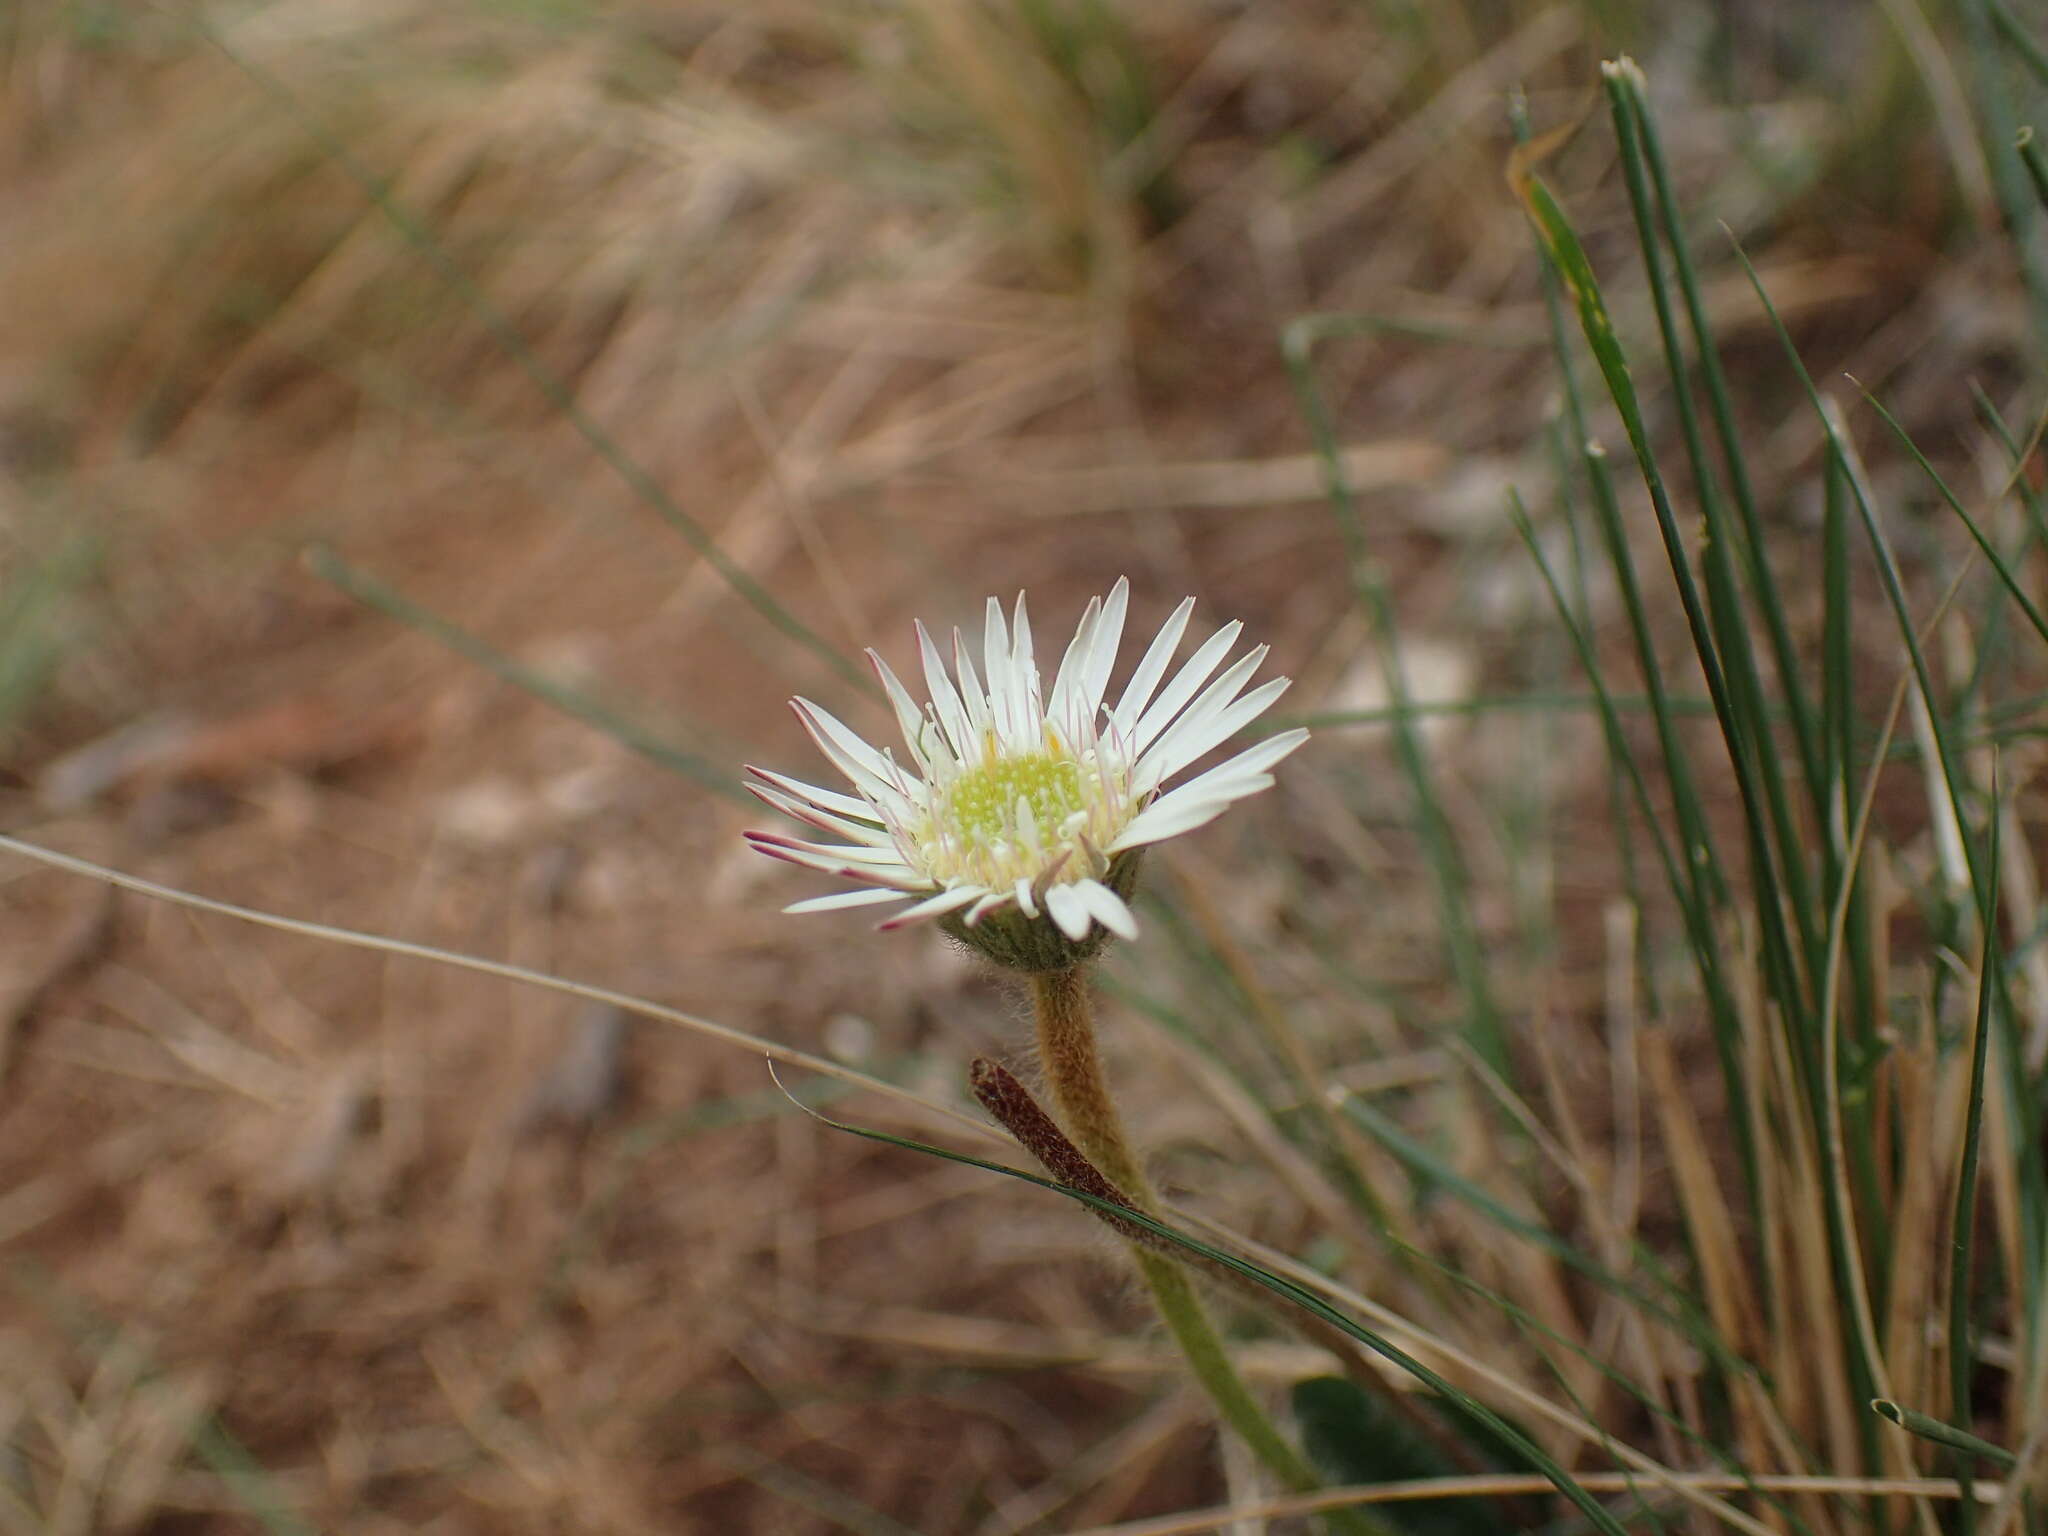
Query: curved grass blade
1695 1330
1929 1428
2032 158
1544 1336
575 702
2014 588
1287 1291
2016 479
379 943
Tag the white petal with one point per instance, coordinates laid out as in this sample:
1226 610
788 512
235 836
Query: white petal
855 854
1256 758
1190 806
945 697
825 799
1069 910
986 905
1204 797
975 697
995 656
1199 730
936 906
901 877
910 719
1027 699
865 768
840 899
823 820
1138 692
1108 908
1067 683
1109 634
1184 686
1160 821
1026 903
1227 782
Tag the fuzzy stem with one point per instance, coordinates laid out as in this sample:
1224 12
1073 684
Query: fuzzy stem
1066 1049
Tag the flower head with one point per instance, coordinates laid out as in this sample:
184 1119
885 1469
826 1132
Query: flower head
1017 819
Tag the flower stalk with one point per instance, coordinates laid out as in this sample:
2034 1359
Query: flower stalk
1073 1068
1015 820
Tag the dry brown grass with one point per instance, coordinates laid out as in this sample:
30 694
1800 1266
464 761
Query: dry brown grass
861 289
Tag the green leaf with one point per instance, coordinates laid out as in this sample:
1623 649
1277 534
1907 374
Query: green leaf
1355 1437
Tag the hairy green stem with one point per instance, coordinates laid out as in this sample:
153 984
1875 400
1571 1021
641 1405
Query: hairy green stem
1066 1050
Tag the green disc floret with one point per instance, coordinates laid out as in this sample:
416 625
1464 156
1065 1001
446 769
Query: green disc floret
980 807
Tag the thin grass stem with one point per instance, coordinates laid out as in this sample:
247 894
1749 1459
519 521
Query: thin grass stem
578 703
406 949
1468 959
551 386
1963 1225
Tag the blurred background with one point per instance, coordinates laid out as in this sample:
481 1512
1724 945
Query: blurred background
436 438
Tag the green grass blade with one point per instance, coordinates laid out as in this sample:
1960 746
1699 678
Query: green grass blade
1963 1224
1953 780
1682 1319
247 1479
2014 588
2032 159
1461 936
1488 704
1683 886
1628 79
1566 441
1746 722
1544 1337
1889 575
32 628
2019 39
1291 1293
1782 970
575 702
1928 1428
1686 877
1999 126
2016 457
1841 766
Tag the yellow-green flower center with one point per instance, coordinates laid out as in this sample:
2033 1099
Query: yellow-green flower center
980 806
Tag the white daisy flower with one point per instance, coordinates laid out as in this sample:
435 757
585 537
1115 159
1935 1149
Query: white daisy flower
1017 806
